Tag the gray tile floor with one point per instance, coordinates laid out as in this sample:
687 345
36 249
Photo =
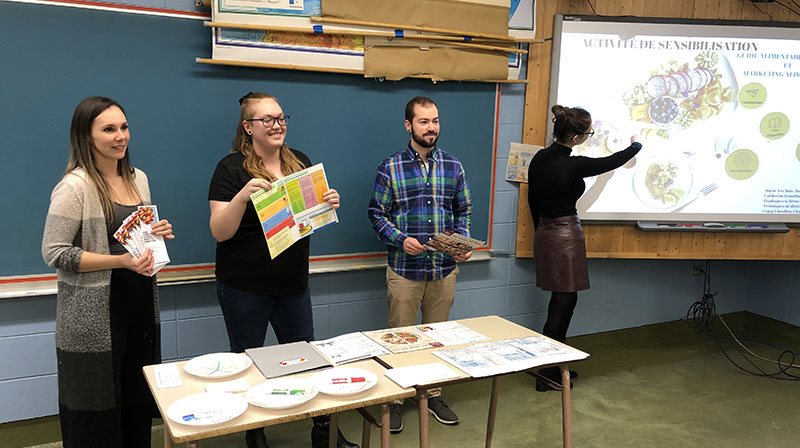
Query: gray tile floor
655 386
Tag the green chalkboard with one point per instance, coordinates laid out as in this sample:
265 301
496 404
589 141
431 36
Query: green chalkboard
183 116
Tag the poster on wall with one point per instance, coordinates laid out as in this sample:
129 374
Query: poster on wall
313 46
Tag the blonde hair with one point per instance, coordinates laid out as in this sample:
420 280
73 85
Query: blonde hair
243 143
82 152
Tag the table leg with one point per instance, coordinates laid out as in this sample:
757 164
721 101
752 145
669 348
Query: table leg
492 411
385 434
167 438
366 429
566 407
333 436
422 398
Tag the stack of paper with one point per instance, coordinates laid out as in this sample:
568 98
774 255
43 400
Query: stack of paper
136 236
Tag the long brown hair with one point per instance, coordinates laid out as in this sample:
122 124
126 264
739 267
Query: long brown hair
82 154
243 143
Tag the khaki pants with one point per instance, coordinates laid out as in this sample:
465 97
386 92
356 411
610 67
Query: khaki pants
406 297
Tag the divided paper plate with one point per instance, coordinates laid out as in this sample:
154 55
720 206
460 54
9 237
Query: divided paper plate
206 409
281 393
218 365
344 380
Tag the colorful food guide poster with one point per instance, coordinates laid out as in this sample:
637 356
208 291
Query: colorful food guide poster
715 107
293 208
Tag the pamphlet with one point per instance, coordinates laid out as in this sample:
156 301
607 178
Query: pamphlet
453 243
136 236
349 348
509 355
402 339
293 208
519 158
450 333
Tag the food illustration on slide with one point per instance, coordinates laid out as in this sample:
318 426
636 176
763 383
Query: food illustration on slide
681 94
663 183
605 141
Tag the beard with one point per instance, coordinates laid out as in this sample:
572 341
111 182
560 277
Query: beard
420 139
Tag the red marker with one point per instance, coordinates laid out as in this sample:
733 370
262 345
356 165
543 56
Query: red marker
347 380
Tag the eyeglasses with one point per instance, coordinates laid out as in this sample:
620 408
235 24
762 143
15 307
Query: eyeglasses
269 120
590 133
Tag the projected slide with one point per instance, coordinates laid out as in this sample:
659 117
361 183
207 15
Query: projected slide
716 108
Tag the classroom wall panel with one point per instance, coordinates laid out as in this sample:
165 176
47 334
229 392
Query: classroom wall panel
196 300
501 238
27 315
169 340
27 356
527 299
347 317
489 274
28 398
356 286
202 335
480 302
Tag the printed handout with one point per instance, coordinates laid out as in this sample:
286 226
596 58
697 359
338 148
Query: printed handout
349 348
509 355
136 236
293 208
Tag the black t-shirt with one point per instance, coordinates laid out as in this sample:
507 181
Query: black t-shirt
555 179
243 261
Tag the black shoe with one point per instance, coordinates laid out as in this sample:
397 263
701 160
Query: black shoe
550 379
319 437
255 438
572 374
439 408
395 418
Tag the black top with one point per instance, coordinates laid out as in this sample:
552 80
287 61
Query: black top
243 261
555 179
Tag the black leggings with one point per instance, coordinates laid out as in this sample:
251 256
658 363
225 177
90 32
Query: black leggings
559 314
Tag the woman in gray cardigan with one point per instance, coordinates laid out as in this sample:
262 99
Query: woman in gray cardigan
107 310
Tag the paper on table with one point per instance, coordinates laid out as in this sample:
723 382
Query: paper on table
349 348
421 374
167 376
450 333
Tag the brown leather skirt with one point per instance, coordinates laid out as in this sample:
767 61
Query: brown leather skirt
560 254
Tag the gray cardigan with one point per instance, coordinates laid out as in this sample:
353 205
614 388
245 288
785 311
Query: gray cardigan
76 223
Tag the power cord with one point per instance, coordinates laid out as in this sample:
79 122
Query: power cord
701 316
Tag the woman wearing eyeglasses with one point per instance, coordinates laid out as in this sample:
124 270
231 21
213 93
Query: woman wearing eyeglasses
254 289
555 183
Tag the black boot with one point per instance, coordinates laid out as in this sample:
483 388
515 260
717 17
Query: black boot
255 438
319 437
550 379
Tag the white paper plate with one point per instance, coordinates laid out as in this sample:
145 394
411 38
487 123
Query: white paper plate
344 380
218 365
281 393
205 409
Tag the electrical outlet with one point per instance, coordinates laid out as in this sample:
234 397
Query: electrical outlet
697 270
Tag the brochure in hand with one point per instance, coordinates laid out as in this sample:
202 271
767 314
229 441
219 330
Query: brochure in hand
293 208
453 243
136 236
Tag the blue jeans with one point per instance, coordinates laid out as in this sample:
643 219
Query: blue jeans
247 316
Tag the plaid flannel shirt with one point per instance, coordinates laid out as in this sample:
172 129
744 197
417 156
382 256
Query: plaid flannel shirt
410 201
